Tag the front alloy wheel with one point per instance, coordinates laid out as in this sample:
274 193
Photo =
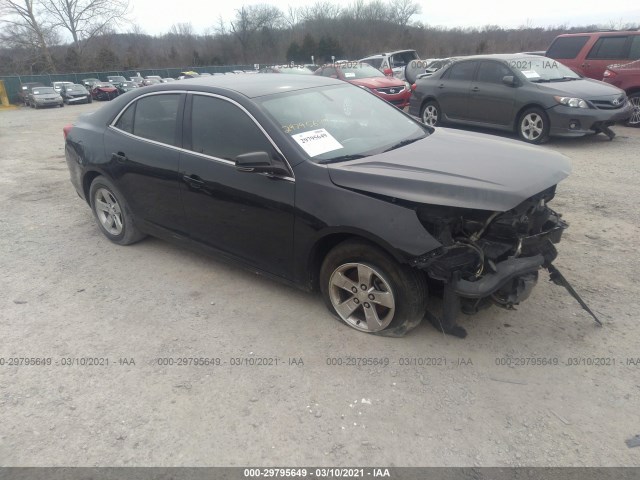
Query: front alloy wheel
362 297
634 119
431 114
533 126
366 288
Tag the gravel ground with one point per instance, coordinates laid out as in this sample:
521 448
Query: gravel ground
68 294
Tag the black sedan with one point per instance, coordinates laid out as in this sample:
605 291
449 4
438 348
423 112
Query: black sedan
74 94
320 184
535 96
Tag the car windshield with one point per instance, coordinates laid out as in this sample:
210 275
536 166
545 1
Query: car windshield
359 70
117 79
104 85
43 90
129 84
542 69
374 62
341 122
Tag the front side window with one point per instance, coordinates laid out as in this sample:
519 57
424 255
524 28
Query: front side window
634 52
222 130
153 117
492 72
567 47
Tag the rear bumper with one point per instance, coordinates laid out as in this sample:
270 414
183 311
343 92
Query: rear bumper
575 122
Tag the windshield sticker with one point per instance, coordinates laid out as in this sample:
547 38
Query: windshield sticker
349 75
316 142
530 74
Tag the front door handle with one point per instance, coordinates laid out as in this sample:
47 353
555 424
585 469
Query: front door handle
193 181
475 89
119 157
441 85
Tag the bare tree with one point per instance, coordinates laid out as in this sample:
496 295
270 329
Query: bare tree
320 11
251 18
403 10
25 27
86 19
183 29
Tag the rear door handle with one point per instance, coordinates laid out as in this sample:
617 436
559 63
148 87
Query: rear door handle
119 157
475 89
441 85
193 181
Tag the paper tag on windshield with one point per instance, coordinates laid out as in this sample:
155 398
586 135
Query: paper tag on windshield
530 73
349 75
316 142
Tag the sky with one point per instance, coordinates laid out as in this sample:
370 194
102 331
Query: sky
156 17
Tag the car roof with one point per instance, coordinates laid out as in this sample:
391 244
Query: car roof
256 85
494 56
607 33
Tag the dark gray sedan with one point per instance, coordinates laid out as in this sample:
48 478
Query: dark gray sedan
533 95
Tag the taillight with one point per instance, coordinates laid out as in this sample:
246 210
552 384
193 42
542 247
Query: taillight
413 87
609 74
66 129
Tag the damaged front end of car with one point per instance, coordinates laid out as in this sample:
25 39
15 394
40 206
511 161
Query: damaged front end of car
489 258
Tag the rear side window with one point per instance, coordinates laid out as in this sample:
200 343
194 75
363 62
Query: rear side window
153 118
125 122
462 71
222 130
634 52
609 48
566 47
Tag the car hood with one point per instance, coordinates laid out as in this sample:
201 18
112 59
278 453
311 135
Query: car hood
458 169
584 88
376 82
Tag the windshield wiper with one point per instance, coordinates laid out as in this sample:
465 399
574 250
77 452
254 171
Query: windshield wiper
342 158
402 143
540 80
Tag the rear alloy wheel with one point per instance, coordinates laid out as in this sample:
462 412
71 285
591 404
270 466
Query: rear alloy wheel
369 291
113 214
634 119
533 126
431 114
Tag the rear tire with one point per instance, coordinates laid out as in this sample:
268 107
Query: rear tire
634 119
113 213
393 300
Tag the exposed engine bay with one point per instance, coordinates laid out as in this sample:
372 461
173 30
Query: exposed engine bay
491 258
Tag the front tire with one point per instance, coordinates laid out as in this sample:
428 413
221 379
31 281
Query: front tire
431 114
634 119
533 126
368 290
112 212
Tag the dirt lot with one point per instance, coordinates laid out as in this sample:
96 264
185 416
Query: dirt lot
68 294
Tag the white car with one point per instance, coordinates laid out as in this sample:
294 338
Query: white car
57 86
392 63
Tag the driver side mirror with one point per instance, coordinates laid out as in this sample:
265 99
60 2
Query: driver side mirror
259 162
509 80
